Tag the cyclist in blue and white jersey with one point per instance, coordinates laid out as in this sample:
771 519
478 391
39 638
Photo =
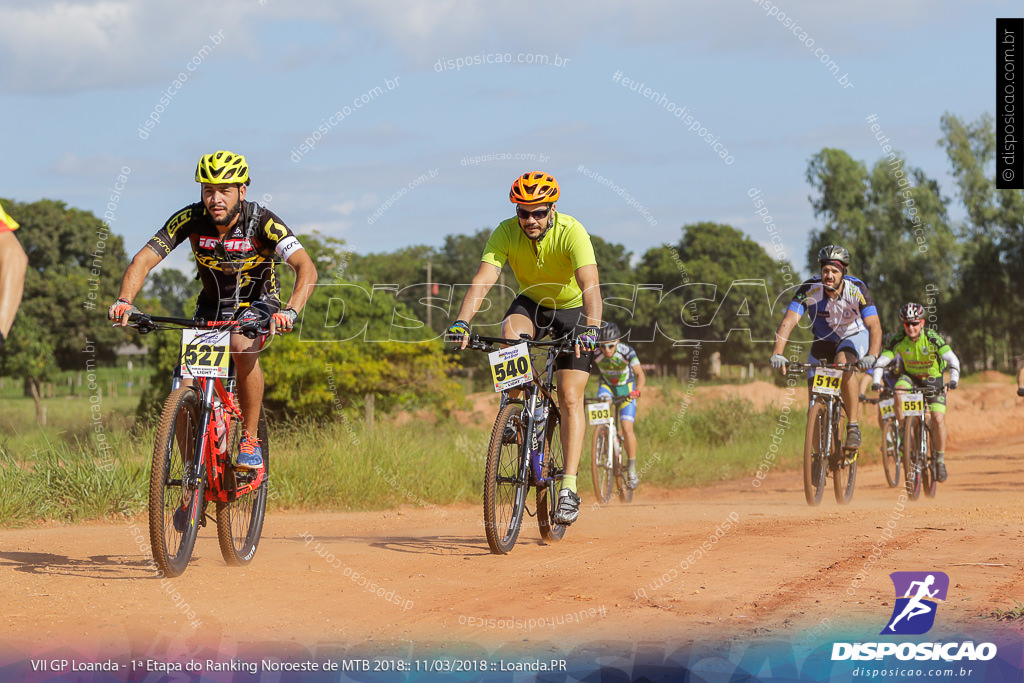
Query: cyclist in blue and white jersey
621 375
845 326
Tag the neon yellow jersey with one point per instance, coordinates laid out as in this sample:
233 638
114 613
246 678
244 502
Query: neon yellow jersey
546 270
7 224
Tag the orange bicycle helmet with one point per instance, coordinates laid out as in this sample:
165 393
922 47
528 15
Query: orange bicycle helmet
534 188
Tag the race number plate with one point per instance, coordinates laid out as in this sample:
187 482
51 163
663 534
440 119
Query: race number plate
599 413
205 353
913 405
886 407
827 381
510 367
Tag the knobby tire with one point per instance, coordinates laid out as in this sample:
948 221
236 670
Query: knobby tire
177 438
240 522
603 476
891 458
816 445
621 472
505 480
929 476
554 466
911 464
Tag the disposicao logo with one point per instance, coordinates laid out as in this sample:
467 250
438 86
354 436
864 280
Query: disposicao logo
917 598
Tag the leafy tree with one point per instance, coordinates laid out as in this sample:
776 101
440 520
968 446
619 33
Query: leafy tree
173 289
75 267
719 287
991 275
893 221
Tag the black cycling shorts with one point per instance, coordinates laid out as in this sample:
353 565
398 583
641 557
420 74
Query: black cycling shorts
557 323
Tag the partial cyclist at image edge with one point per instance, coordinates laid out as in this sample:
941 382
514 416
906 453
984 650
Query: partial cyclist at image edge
13 265
553 259
845 327
236 244
923 355
621 375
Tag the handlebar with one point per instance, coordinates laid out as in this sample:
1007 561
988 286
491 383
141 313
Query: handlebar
482 343
799 367
146 323
617 400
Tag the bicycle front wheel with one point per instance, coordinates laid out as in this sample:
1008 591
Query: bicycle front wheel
929 477
505 481
844 478
891 457
240 522
816 448
547 494
601 466
911 455
171 489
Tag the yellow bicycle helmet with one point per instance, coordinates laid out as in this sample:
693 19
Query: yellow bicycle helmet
222 168
534 188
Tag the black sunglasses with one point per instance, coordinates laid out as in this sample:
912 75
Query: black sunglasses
538 214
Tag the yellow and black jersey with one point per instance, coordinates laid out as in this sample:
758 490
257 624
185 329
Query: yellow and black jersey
243 258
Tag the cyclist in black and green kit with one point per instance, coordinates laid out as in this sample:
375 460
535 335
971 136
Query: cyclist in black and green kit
924 355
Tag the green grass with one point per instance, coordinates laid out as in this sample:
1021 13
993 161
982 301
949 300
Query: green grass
59 473
1014 614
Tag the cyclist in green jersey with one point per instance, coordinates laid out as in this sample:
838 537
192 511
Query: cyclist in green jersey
553 260
924 355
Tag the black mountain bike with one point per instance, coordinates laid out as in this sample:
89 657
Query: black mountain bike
824 451
525 449
919 467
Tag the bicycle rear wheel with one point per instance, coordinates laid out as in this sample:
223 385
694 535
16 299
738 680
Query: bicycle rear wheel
891 457
816 447
929 477
600 465
621 473
240 522
911 463
505 481
174 453
547 494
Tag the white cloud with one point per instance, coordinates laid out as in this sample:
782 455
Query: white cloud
70 45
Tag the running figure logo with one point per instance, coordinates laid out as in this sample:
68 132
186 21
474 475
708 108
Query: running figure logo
914 613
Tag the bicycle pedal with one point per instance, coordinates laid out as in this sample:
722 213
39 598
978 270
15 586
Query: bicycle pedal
851 457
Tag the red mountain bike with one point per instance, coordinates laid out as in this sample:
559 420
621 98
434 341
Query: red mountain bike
196 444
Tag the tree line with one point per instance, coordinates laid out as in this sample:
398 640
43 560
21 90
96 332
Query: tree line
375 323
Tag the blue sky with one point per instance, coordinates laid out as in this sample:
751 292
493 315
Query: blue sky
78 80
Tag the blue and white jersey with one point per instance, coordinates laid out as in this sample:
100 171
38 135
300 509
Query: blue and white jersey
839 318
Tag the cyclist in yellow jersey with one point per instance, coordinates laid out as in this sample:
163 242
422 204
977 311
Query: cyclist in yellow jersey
553 260
13 264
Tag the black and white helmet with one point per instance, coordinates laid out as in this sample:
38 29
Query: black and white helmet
911 312
833 253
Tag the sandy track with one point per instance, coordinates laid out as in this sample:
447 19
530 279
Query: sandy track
627 573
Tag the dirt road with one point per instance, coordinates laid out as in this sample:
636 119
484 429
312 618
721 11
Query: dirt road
654 572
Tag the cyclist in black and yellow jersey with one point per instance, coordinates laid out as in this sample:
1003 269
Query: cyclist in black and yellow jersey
923 355
236 244
553 259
